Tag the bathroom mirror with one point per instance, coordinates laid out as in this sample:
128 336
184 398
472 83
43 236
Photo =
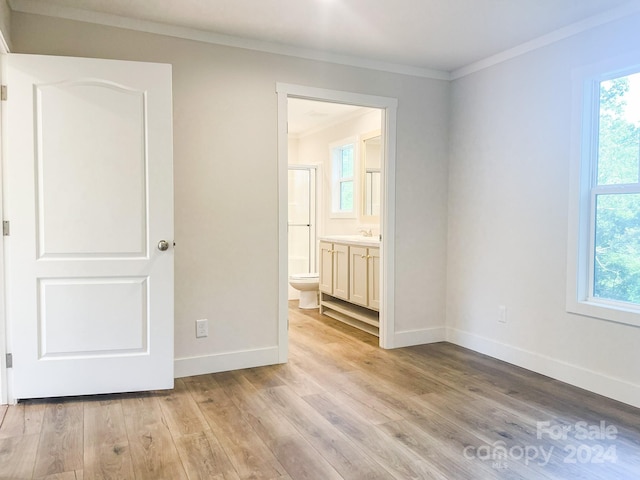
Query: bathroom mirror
371 175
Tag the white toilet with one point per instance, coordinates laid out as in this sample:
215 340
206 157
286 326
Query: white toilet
307 284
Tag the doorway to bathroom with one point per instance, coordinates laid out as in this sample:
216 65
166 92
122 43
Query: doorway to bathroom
338 193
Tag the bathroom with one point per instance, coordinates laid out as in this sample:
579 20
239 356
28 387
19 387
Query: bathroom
334 191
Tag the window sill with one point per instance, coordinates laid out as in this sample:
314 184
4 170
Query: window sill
602 311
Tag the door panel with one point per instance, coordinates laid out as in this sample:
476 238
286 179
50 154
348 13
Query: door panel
341 271
374 277
84 306
79 166
358 277
89 194
326 268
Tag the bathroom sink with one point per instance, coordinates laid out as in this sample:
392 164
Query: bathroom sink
352 239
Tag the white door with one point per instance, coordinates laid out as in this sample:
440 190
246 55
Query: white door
89 195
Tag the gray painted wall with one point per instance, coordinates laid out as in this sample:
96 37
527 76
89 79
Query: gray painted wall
225 153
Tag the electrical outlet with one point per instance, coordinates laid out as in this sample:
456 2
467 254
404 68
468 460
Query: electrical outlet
202 328
502 314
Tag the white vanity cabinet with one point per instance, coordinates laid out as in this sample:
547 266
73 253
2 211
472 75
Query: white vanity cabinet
364 278
374 278
350 282
334 270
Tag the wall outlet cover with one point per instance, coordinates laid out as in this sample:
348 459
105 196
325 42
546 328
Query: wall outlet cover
202 328
502 314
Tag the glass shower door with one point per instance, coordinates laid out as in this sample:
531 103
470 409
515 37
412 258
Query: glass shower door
302 220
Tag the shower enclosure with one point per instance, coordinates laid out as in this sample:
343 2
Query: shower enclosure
302 220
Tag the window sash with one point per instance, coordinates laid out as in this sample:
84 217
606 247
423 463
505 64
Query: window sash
626 189
342 194
340 153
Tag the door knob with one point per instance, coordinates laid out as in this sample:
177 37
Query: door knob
163 245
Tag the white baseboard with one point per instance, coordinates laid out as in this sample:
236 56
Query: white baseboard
409 338
607 386
224 362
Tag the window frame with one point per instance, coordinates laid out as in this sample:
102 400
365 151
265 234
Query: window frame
335 152
584 191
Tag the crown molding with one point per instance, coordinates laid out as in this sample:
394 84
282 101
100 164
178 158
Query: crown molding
40 7
623 10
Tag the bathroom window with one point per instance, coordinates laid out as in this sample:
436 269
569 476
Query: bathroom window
343 185
607 270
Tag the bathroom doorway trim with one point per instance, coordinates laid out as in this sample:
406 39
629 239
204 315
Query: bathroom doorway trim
389 108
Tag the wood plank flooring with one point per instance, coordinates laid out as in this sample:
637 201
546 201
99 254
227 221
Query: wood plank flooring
340 409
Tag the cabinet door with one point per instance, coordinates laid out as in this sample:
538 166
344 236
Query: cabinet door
326 268
373 265
341 271
358 278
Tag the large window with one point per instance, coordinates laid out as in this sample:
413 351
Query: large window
608 230
343 188
616 192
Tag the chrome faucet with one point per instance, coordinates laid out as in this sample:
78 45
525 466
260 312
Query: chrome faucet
366 233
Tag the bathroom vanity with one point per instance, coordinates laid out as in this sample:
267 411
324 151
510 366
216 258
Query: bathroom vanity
350 280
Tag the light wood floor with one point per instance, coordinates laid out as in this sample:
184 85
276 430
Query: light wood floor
341 408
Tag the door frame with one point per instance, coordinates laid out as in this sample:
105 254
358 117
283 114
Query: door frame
4 384
389 108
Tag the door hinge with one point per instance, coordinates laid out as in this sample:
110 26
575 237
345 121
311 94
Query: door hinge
9 360
3 93
5 228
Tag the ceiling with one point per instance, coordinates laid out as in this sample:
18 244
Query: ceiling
306 116
440 35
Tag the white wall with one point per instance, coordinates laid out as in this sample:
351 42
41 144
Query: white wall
225 150
508 214
314 148
293 150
